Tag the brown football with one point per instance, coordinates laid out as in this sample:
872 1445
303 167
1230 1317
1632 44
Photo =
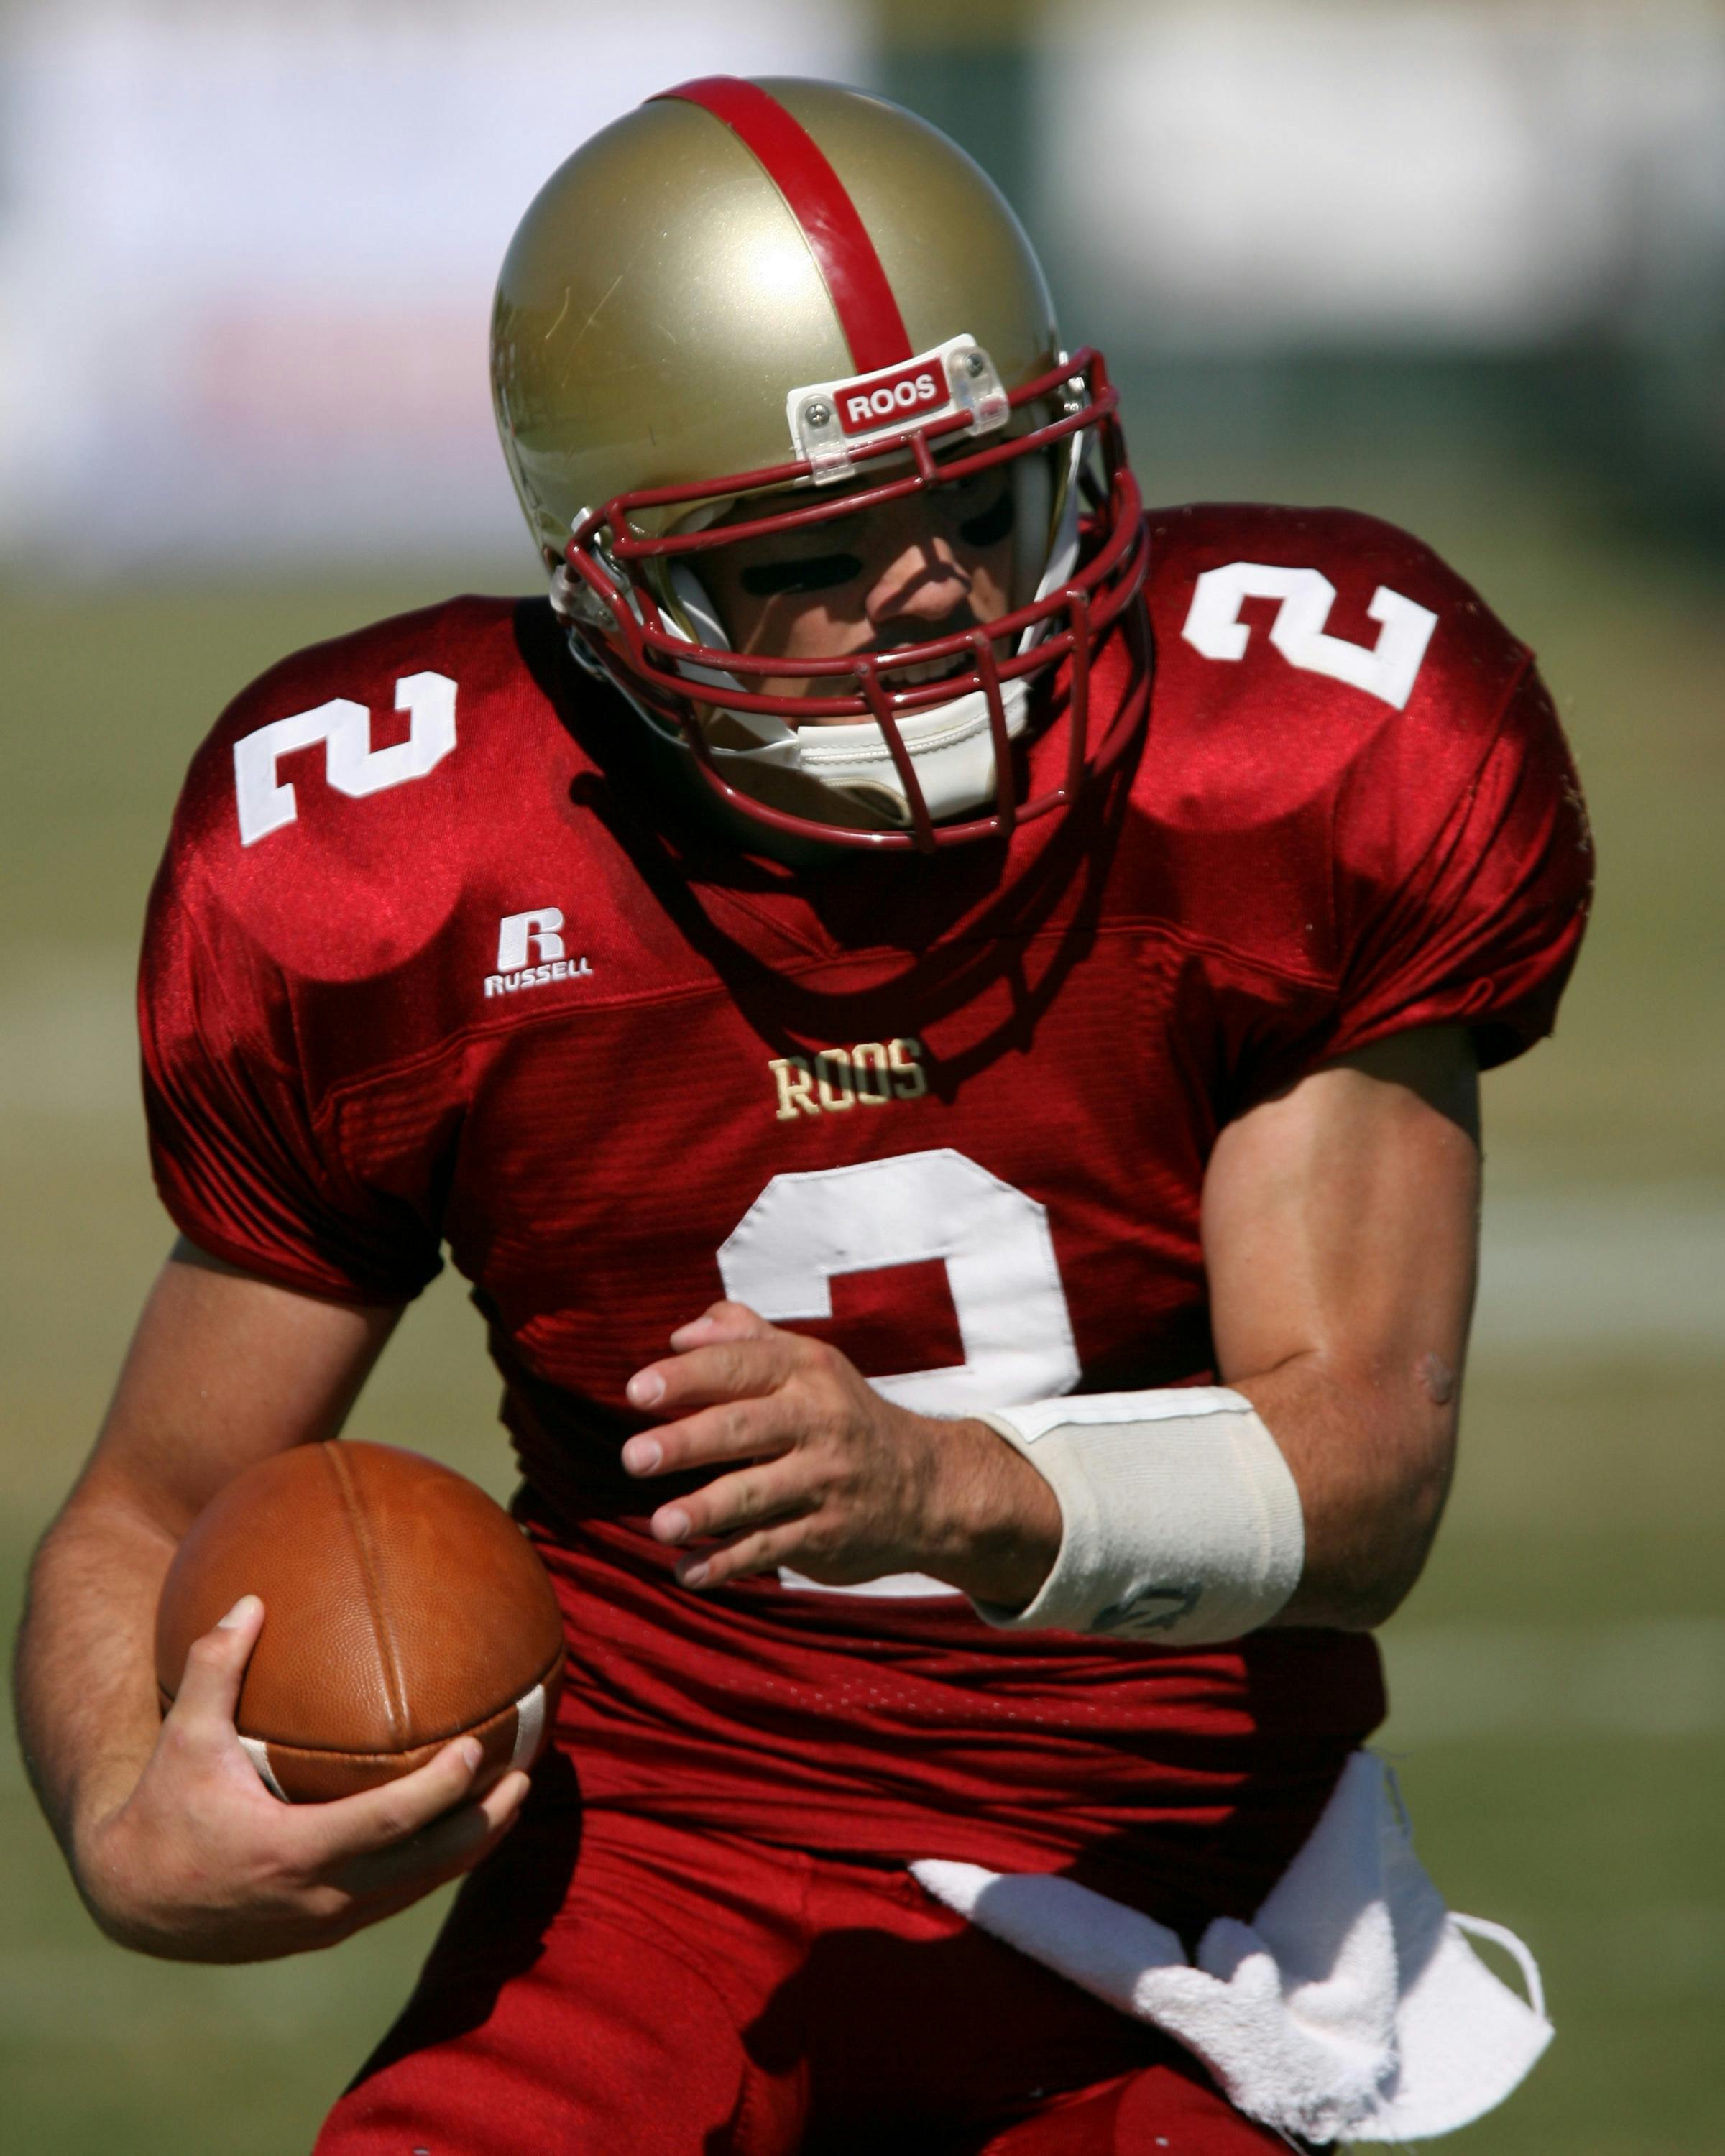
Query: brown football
402 1608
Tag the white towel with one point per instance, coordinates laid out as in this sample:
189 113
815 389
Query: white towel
1351 2008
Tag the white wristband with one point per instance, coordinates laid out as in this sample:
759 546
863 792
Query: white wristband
1180 1519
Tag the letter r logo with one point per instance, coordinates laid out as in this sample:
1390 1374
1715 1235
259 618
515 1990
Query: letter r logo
519 932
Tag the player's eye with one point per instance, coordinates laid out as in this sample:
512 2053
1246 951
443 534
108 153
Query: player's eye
818 573
991 525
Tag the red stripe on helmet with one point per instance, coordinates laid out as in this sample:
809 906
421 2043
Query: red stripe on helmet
794 162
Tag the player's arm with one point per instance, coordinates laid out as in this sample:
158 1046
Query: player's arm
1339 1225
1341 1231
176 1845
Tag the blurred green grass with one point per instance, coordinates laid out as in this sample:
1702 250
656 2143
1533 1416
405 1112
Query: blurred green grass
1590 1491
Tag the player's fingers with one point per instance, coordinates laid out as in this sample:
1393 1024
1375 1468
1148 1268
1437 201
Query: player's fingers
759 1549
215 1669
740 1430
349 1910
424 1860
727 1370
502 1804
441 1850
721 1321
377 1818
775 1489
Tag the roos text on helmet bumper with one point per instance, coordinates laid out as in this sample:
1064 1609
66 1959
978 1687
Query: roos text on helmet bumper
828 418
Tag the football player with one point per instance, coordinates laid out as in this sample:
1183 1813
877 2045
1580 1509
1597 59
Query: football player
939 1013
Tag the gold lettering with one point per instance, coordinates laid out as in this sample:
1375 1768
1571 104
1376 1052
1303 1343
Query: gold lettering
874 1081
875 1072
910 1081
795 1088
843 1094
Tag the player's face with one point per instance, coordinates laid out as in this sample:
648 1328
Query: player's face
928 565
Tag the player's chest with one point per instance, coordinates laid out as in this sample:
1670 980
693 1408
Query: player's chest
967 1172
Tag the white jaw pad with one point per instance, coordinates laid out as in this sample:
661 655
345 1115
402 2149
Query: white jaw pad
951 747
1181 1522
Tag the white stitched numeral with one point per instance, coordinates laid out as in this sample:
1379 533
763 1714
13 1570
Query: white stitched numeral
351 764
1389 670
1013 1319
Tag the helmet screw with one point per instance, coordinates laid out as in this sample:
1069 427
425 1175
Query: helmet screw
817 412
974 363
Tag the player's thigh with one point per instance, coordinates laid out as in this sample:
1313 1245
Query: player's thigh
609 2043
923 2035
560 2008
1159 2111
1155 2111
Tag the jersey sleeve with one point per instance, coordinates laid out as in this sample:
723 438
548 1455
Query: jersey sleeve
245 1164
1478 922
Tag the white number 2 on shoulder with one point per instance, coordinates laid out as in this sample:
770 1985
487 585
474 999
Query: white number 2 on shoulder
349 763
1013 1323
1389 670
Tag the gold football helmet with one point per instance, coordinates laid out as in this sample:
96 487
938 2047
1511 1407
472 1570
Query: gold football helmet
792 290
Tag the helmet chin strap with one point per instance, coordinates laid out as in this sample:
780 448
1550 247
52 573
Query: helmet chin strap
950 744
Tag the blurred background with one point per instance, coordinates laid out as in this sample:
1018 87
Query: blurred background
1460 263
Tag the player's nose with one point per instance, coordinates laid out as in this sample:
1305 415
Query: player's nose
916 576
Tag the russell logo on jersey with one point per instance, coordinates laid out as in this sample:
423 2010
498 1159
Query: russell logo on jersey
529 952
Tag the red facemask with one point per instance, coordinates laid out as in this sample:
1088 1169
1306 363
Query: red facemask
607 595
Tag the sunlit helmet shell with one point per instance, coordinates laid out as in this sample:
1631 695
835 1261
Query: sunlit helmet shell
688 305
660 301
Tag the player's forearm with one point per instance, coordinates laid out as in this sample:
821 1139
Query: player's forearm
1371 1454
84 1674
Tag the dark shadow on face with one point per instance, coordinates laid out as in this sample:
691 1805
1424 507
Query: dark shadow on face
907 572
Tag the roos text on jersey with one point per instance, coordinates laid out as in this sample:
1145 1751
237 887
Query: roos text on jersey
872 1074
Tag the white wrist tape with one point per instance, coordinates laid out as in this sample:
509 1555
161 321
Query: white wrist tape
1180 1519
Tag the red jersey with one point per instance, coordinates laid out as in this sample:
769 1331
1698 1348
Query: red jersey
433 959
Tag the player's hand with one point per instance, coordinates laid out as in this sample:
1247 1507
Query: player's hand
201 1863
825 1475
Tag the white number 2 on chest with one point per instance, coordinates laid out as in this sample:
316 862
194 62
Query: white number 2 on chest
1014 1324
1389 670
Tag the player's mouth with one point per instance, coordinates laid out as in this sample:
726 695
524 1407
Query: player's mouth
930 670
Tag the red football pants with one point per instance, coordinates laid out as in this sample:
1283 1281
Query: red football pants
607 1986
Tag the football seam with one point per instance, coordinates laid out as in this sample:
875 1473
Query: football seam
281 1748
394 1688
165 1700
289 1750
467 1729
